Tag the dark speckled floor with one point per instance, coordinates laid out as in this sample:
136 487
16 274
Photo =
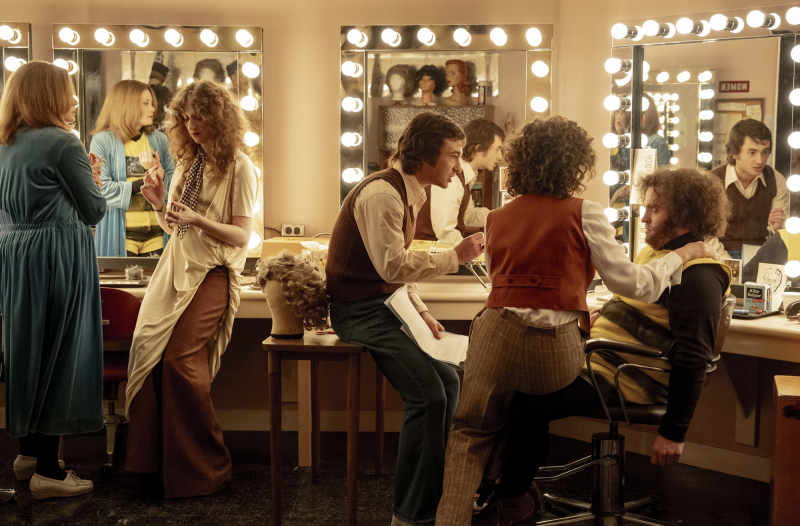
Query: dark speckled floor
689 496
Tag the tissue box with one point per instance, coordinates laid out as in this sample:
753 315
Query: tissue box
757 298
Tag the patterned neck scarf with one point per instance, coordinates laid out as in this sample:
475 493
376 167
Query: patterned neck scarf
192 187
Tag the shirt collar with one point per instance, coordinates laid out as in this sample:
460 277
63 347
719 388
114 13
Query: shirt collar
414 192
681 241
469 173
731 177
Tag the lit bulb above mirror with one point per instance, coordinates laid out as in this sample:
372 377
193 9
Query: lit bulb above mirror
13 63
357 38
539 104
533 36
69 36
498 36
173 37
462 37
13 36
139 38
244 38
104 36
248 103
251 139
391 37
251 70
352 175
350 139
352 104
426 36
540 69
209 38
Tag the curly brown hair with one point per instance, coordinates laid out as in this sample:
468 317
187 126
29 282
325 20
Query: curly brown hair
215 105
551 156
303 286
694 200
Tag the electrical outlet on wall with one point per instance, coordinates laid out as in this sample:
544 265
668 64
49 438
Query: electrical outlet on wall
293 230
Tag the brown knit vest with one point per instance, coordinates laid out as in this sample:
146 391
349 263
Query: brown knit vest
350 274
749 217
424 223
538 254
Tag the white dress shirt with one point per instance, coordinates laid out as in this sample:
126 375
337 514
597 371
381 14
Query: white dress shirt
619 273
781 199
445 204
379 214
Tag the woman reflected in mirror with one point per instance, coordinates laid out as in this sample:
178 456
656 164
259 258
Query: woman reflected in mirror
126 136
186 319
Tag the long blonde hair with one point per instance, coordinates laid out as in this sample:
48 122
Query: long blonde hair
38 95
122 111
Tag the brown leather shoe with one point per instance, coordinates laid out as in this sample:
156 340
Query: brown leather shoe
507 512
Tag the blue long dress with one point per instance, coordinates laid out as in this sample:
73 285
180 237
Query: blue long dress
49 285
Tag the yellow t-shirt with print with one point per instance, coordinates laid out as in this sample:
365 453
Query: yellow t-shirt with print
143 234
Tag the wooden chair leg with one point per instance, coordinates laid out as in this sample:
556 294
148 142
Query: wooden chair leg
315 440
353 392
274 361
380 418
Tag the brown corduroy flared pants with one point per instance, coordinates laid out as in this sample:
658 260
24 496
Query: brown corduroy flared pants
173 426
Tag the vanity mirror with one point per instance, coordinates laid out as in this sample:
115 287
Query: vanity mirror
166 58
15 47
391 73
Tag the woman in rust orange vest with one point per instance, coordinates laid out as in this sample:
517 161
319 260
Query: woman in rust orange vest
542 250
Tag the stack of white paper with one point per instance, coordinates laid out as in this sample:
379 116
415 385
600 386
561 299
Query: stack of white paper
451 348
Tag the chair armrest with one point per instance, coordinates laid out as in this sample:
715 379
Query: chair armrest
597 344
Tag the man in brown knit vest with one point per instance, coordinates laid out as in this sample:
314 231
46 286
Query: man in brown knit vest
757 193
368 260
448 212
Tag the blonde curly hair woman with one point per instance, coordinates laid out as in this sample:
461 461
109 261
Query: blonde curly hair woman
186 318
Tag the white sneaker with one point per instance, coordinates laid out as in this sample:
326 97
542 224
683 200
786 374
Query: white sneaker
25 467
42 488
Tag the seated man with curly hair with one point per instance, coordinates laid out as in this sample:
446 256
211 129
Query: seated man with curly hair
681 208
542 250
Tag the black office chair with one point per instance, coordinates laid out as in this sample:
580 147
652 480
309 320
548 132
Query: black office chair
608 506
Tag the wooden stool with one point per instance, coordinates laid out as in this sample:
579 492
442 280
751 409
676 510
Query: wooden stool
318 348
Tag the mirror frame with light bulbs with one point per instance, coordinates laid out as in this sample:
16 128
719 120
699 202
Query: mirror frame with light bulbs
17 47
192 39
477 38
629 40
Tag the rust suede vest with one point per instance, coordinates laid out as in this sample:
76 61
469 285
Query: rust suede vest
749 217
350 274
538 254
425 225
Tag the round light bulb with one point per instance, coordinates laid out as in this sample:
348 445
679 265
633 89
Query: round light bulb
704 157
793 183
251 139
60 62
248 103
793 225
611 140
662 77
619 31
776 23
351 139
705 76
351 69
706 29
706 94
793 16
675 120
673 147
104 36
462 36
660 132
738 25
756 18
244 38
352 104
174 37
391 37
611 177
685 26
656 96
250 70
674 133
352 175
498 36
354 36
719 22
614 65
188 81
13 63
706 115
674 107
796 53
540 69
683 76
794 97
673 161
426 36
139 37
533 36
792 269
638 35
706 136
612 103
209 38
794 140
539 104
671 30
645 104
255 240
6 33
651 28
611 214
69 36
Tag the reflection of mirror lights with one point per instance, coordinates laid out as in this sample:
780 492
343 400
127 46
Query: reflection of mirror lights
357 38
793 16
69 36
139 37
462 36
174 37
662 77
674 133
539 104
683 76
793 183
706 136
250 139
675 120
673 147
352 175
793 225
351 69
13 63
705 76
612 177
426 36
248 103
209 38
706 115
352 104
645 104
792 269
540 69
533 36
12 35
244 38
673 161
250 70
391 37
617 214
621 82
704 157
498 36
706 93
104 36
351 139
675 107
255 240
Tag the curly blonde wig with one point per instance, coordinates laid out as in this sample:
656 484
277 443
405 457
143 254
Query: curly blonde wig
303 286
216 106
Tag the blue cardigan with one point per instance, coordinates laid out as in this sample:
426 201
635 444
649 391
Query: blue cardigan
110 234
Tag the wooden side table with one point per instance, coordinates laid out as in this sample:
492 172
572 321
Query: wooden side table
318 348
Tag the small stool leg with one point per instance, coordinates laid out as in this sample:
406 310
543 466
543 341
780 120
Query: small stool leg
315 462
353 392
380 418
274 361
